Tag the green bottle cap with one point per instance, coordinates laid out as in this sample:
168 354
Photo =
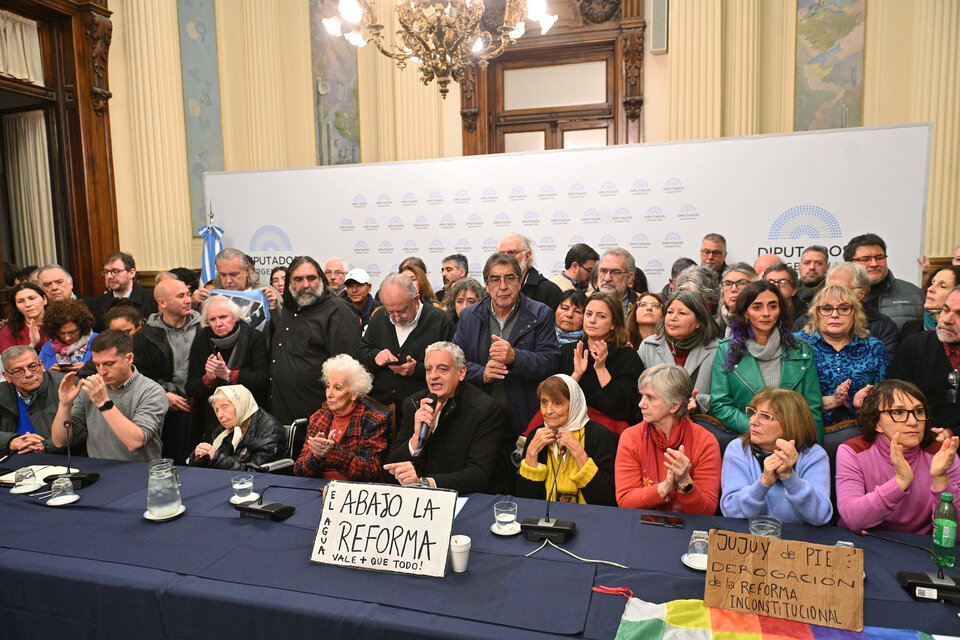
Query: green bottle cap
946 496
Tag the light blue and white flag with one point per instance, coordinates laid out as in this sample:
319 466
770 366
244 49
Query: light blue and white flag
212 245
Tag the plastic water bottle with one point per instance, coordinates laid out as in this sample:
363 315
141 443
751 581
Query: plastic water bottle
945 530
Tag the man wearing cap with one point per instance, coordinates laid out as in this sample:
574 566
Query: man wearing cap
357 292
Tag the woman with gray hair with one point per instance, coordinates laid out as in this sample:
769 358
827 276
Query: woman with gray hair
248 436
347 436
667 462
702 280
686 336
225 351
463 293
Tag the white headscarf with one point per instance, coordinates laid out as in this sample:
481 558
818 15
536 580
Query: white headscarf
577 413
244 404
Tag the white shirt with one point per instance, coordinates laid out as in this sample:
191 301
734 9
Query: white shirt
404 332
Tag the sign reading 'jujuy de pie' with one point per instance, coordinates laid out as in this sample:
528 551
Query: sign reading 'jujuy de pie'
812 583
385 528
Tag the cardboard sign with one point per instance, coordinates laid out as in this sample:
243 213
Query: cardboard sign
385 528
812 583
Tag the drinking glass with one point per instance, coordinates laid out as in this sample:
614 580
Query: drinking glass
505 514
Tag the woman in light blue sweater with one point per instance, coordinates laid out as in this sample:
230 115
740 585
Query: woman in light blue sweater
777 468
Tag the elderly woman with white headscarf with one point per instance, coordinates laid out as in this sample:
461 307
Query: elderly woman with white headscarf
583 450
247 437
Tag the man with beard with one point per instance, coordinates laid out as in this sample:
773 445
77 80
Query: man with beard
899 299
814 262
615 275
931 360
317 325
532 283
453 268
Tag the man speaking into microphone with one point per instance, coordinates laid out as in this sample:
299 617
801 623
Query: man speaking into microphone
459 441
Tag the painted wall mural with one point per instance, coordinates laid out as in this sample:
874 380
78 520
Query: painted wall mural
335 90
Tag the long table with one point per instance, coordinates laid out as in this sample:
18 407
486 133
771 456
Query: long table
99 569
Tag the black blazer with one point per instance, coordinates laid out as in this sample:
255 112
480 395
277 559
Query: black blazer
619 399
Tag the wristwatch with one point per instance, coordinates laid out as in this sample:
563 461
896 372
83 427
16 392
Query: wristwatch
687 488
106 406
425 483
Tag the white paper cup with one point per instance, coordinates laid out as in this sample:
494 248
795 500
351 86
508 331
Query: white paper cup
459 553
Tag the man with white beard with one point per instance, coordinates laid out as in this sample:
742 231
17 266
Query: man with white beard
316 325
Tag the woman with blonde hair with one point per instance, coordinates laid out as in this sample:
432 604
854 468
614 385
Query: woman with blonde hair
849 361
777 468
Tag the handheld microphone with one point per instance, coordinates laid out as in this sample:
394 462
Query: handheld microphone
924 585
424 427
558 531
79 480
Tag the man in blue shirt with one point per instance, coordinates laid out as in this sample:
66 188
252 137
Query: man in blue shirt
28 402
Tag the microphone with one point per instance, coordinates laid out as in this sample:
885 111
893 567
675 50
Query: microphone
79 480
924 585
424 427
557 531
260 510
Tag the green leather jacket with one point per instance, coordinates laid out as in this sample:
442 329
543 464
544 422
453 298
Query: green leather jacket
731 391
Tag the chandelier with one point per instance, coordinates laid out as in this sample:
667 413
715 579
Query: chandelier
441 36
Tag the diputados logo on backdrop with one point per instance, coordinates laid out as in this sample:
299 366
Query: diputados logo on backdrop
577 190
346 224
434 198
489 195
577 239
639 241
270 238
639 188
517 194
385 247
420 223
489 245
557 268
672 241
410 246
477 270
462 246
436 246
359 201
502 219
608 241
361 248
559 217
654 214
371 224
798 227
474 221
530 218
688 212
546 192
373 270
654 268
395 224
673 185
547 243
384 200
607 189
462 196
590 216
447 222
622 215
408 200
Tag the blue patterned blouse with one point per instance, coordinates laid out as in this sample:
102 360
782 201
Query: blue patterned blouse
863 361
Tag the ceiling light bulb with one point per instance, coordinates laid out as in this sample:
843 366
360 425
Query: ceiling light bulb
518 31
332 25
536 9
350 10
546 22
478 46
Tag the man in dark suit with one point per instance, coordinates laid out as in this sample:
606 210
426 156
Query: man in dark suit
392 347
119 273
466 444
57 283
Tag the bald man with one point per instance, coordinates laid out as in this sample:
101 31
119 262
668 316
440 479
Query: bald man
764 262
162 353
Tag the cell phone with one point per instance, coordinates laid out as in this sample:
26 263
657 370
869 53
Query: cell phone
391 363
674 522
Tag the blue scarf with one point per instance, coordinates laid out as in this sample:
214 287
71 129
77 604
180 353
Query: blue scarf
568 336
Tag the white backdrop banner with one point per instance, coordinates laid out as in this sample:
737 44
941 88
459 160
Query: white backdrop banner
766 194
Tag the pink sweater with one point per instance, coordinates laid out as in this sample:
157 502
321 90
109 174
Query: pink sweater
868 495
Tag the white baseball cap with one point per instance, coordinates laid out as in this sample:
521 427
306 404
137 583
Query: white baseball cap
357 275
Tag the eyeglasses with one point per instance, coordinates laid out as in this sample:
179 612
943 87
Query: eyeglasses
842 309
515 252
782 282
614 273
880 257
738 284
650 305
762 416
20 371
900 415
329 273
716 253
509 279
112 272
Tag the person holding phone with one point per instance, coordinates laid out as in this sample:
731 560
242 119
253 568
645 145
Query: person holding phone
667 462
69 324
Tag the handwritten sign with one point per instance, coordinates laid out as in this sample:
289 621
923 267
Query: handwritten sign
812 583
385 528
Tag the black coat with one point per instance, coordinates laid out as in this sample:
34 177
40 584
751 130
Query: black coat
139 298
262 443
468 450
42 411
389 388
252 363
619 399
538 288
601 445
921 359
